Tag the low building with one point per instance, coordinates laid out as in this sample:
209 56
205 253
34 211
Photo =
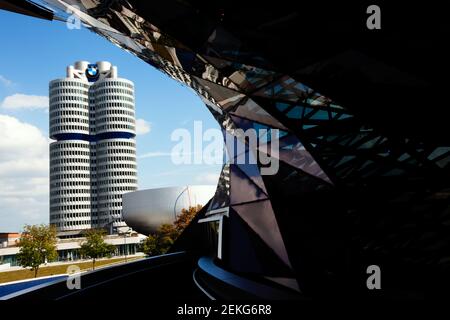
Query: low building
8 239
146 210
69 248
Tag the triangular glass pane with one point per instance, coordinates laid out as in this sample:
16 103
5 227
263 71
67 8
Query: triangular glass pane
242 188
344 160
308 112
369 144
226 98
260 217
295 113
443 162
320 115
251 110
403 157
438 152
284 88
357 138
344 116
294 153
281 106
252 172
332 105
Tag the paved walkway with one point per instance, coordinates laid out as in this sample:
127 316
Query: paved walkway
15 286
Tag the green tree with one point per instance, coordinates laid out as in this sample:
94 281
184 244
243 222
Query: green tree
37 246
185 217
149 246
160 241
95 246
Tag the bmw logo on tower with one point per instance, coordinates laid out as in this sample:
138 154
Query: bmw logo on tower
85 195
92 72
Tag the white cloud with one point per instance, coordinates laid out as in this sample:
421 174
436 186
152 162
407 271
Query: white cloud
24 101
5 82
20 140
155 154
24 178
142 126
208 178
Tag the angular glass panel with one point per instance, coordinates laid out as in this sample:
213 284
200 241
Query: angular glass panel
284 89
271 135
309 126
242 123
303 88
413 162
243 189
438 152
443 162
282 106
251 110
294 153
320 115
344 142
260 128
403 157
223 44
318 100
250 78
369 144
383 154
344 160
357 138
295 113
332 105
344 116
224 97
260 217
365 164
235 146
308 112
252 171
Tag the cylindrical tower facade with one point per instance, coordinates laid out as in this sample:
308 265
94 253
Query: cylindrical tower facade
70 205
116 147
93 160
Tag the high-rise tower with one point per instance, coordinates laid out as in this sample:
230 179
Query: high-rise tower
93 160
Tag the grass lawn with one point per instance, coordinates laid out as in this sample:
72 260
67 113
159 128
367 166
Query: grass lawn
8 276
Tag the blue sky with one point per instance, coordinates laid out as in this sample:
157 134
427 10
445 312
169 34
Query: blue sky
33 52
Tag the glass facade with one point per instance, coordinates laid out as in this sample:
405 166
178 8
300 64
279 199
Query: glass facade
362 180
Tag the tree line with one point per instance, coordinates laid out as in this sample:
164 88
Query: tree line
38 242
